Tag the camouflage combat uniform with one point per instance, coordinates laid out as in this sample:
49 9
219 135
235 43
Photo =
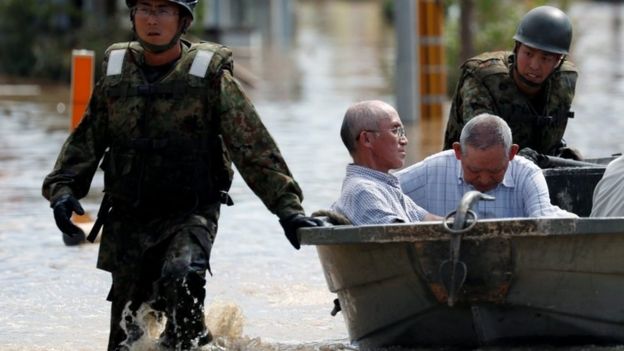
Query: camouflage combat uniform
166 148
486 85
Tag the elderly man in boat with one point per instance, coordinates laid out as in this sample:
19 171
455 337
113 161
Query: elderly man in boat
485 160
374 136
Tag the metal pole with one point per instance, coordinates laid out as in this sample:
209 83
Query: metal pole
432 66
281 23
217 14
407 67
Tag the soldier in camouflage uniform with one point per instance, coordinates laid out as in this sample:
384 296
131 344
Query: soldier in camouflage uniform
531 88
166 118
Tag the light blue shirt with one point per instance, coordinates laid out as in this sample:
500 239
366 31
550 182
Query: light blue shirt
437 184
372 197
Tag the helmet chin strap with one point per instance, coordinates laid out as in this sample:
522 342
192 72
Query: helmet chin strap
157 49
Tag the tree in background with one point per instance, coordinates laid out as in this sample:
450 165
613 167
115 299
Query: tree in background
37 37
18 21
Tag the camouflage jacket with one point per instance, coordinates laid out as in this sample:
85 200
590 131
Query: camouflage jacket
163 140
486 85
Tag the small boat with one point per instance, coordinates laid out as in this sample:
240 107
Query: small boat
474 283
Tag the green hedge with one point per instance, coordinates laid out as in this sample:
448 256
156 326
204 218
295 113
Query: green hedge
37 37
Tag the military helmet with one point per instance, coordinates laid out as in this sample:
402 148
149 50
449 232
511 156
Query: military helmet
188 5
546 28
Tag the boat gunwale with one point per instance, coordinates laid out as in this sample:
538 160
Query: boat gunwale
483 229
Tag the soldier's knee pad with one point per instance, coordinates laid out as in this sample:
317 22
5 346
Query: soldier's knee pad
176 268
184 256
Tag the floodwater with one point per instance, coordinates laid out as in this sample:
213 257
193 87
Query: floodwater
264 295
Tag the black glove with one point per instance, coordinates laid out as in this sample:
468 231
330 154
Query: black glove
570 153
534 156
296 221
63 208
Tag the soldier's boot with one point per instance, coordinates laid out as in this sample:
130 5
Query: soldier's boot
168 339
131 327
186 328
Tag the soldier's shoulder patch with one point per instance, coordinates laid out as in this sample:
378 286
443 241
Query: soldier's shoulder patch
490 62
486 67
568 66
487 59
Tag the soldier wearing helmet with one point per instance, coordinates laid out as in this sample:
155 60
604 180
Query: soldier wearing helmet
184 11
531 88
166 120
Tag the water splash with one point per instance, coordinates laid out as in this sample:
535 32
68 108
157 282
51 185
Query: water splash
146 322
225 319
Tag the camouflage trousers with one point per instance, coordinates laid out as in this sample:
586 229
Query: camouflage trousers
171 283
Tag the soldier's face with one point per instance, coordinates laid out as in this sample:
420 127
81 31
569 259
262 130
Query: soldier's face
156 21
536 65
484 169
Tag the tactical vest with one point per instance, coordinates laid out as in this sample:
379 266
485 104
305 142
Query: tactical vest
539 130
166 152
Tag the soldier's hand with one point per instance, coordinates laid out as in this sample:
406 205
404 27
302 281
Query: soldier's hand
296 221
570 153
63 208
534 157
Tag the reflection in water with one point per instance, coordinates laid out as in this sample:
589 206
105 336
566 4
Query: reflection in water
599 102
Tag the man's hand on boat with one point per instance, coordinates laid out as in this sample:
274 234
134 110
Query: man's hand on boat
296 221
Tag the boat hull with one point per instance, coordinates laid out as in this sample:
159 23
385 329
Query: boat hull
555 281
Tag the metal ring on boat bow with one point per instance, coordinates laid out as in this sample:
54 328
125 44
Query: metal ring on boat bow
463 230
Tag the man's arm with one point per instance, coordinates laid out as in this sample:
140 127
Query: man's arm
364 204
608 196
534 190
255 153
476 99
74 169
471 99
259 161
431 217
80 155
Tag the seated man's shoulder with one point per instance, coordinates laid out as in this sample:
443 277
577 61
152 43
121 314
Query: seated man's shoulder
362 187
421 174
438 159
617 163
525 171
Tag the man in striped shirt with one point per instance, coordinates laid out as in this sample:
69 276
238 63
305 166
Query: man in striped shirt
374 136
483 160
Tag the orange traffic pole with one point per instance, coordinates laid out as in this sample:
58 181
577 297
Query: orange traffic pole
81 84
433 69
82 72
